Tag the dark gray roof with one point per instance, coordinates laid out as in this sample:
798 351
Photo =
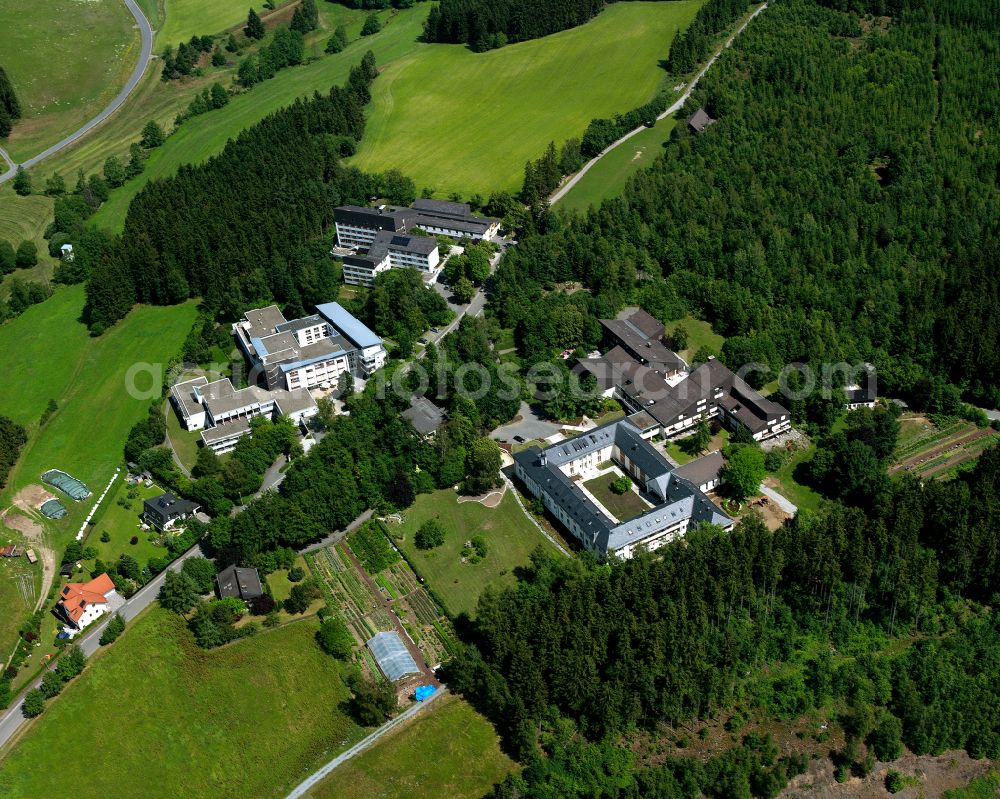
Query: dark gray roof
421 245
700 120
239 582
702 470
167 507
443 208
299 324
424 415
385 218
681 499
642 340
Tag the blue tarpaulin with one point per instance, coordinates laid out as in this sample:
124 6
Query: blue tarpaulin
424 691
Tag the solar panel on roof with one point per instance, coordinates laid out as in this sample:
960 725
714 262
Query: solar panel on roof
400 241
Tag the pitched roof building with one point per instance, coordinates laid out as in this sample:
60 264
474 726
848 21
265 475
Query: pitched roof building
699 121
424 415
641 336
81 603
239 582
164 511
558 473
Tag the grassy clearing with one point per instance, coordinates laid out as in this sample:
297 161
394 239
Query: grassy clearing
700 334
681 456
465 760
67 60
509 536
87 377
497 110
607 178
204 136
624 506
251 719
803 497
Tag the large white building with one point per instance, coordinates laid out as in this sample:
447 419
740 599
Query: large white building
389 250
311 351
223 412
557 475
358 226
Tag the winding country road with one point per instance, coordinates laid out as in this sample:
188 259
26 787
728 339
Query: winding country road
146 33
563 190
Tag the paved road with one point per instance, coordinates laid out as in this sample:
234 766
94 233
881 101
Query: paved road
146 50
310 782
337 535
89 642
530 426
564 189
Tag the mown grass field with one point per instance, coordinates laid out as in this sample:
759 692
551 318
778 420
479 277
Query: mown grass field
122 523
87 378
461 121
508 533
187 18
607 178
25 218
448 751
66 59
700 334
204 136
624 506
160 717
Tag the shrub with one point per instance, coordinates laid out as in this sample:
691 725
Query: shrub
621 485
334 638
262 605
894 782
34 703
115 628
296 573
430 535
105 537
372 548
134 540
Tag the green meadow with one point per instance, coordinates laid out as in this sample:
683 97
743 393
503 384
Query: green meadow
67 59
447 751
54 357
607 178
160 717
461 121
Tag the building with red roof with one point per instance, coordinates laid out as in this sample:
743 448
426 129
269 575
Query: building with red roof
81 603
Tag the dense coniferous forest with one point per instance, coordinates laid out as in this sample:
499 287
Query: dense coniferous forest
844 207
683 635
690 47
487 24
12 438
10 106
235 229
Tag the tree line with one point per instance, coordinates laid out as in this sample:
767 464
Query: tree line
691 46
12 438
10 106
488 24
193 235
810 223
672 638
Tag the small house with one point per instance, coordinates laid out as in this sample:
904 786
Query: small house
66 252
81 603
699 121
164 511
424 415
10 551
239 582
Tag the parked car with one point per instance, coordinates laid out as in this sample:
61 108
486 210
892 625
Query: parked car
519 439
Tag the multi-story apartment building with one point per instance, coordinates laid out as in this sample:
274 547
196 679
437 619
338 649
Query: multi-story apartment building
388 251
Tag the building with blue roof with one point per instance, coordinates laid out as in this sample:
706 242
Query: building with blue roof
313 351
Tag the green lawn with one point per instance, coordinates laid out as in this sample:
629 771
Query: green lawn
607 178
67 59
624 506
87 377
206 135
185 442
121 523
461 121
509 536
165 718
719 440
448 751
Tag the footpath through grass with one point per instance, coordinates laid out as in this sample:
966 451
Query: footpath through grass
509 536
448 751
67 60
160 717
607 178
461 121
